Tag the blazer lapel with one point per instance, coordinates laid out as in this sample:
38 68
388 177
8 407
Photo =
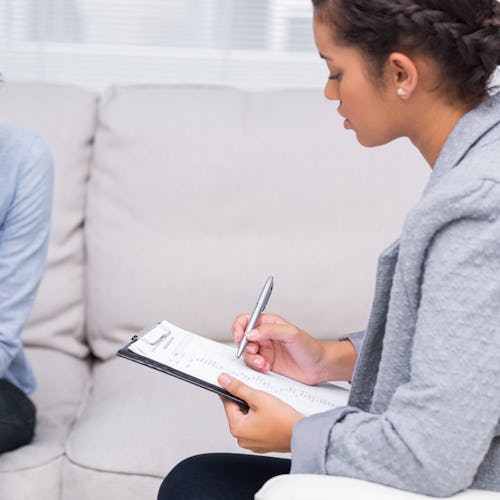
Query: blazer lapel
365 374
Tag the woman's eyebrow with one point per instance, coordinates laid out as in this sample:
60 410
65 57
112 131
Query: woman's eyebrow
325 57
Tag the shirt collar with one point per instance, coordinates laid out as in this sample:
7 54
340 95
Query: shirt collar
467 132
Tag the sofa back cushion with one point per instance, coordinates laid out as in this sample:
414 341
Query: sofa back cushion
64 117
198 194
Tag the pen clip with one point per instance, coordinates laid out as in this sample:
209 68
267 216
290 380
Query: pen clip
266 293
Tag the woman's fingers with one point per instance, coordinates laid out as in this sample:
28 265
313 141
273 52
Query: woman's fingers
270 318
274 331
237 387
257 362
241 321
252 348
239 325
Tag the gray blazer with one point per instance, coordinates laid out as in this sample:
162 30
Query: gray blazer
424 409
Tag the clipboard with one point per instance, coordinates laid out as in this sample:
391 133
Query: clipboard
199 360
126 353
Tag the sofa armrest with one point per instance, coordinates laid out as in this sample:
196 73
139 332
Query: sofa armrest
320 487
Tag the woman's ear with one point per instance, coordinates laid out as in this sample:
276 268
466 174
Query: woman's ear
402 74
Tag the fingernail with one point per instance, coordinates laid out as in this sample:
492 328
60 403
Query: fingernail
252 334
224 379
258 362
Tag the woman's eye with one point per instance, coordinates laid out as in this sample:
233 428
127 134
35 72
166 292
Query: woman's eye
335 76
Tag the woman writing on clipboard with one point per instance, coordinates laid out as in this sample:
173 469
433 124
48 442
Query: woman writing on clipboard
424 408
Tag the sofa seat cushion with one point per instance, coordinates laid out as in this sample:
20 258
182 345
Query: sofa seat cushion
63 384
140 421
83 483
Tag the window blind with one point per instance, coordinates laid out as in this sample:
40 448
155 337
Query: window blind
253 44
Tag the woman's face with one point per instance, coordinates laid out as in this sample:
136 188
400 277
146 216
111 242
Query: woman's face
369 109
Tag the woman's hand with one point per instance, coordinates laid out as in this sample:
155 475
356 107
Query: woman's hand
277 345
267 426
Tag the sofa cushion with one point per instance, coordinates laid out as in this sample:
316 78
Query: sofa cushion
198 194
135 414
34 471
65 118
141 422
83 483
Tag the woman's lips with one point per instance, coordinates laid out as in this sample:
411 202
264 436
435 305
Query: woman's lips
347 124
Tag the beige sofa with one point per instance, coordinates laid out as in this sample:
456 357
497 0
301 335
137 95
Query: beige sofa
176 203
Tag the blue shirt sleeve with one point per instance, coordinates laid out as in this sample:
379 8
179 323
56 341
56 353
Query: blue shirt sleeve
25 207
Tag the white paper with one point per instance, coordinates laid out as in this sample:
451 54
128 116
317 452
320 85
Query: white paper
206 359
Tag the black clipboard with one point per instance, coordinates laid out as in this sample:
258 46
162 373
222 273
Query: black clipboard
126 353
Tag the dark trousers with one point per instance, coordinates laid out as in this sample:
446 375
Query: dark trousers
17 417
220 476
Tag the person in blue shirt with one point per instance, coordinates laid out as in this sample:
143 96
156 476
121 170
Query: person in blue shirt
25 207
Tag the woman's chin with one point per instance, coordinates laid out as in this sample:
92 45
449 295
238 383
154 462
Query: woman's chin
370 142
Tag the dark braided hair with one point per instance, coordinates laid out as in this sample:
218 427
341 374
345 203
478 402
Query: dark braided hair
462 36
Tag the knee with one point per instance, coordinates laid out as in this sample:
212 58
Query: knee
17 417
186 480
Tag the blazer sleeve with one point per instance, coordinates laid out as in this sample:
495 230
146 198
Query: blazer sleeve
356 339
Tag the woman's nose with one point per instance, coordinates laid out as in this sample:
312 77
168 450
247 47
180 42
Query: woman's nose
331 91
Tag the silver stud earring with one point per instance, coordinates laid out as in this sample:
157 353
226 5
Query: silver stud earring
401 92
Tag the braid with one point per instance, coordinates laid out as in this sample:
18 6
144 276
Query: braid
469 34
463 36
445 34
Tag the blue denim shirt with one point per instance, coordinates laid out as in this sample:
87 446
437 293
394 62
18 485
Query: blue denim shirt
25 205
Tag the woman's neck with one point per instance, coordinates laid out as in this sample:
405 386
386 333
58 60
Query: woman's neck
433 123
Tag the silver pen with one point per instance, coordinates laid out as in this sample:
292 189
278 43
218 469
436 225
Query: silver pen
258 310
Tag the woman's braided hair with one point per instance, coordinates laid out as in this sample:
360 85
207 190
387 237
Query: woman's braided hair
462 36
